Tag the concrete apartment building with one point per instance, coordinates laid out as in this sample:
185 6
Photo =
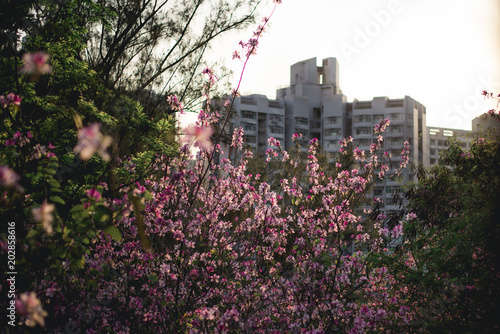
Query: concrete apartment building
485 123
260 119
315 106
440 141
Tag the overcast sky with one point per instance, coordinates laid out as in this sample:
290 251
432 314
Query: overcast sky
440 52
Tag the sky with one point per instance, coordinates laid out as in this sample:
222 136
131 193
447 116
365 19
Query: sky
442 53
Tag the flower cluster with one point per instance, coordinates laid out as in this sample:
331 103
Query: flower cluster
19 139
230 252
36 63
11 100
30 308
175 104
90 141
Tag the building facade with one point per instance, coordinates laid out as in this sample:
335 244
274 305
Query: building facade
260 119
440 141
485 123
315 106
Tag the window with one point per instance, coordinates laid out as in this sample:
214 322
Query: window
332 132
364 142
364 131
390 201
433 142
410 117
362 105
395 141
275 118
396 153
247 100
248 114
395 128
378 117
363 118
276 129
440 143
377 191
331 143
396 117
248 126
395 104
332 120
301 121
251 139
274 104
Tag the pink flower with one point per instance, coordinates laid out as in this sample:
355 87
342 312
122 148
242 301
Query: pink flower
35 63
295 136
411 216
237 141
273 142
44 215
8 178
11 99
201 135
380 127
90 141
93 193
175 104
14 99
30 306
345 141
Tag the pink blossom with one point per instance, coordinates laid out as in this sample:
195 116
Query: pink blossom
8 178
28 305
411 216
273 142
90 141
200 134
345 141
11 99
237 141
14 99
44 215
380 127
175 104
93 193
296 136
35 63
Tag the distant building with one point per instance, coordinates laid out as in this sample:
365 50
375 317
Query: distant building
484 122
440 141
260 119
315 106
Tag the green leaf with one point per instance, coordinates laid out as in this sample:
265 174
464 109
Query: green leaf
153 277
77 208
102 215
32 234
54 183
50 171
57 199
114 233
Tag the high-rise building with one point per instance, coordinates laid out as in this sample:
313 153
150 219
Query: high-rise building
440 141
260 119
315 106
484 123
